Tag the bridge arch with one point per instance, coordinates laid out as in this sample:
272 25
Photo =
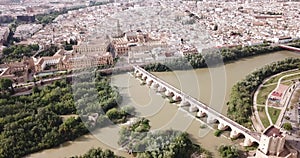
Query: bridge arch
193 108
136 71
255 143
224 127
177 98
238 135
149 81
145 77
138 74
250 142
211 119
155 85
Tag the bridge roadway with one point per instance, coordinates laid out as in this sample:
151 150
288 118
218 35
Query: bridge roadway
250 136
289 47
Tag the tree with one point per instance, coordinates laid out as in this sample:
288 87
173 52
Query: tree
6 85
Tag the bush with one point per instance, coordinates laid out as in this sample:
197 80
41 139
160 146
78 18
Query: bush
116 115
218 133
287 126
228 151
99 153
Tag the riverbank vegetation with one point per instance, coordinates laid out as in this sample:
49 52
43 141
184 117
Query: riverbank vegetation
34 122
241 98
212 58
218 133
137 139
227 151
98 153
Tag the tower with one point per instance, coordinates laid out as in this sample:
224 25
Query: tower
119 31
272 144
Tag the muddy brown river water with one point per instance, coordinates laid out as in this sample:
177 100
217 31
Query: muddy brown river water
210 85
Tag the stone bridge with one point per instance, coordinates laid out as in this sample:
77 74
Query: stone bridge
224 123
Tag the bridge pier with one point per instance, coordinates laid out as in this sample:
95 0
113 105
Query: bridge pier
193 108
169 94
222 126
211 119
144 78
234 134
155 85
247 142
138 74
161 89
184 103
149 82
176 98
201 114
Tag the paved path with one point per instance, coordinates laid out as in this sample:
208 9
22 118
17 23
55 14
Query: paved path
267 85
258 125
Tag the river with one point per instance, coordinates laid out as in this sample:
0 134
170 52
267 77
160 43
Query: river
210 85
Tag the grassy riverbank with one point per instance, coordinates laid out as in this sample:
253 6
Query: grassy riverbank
264 92
263 116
